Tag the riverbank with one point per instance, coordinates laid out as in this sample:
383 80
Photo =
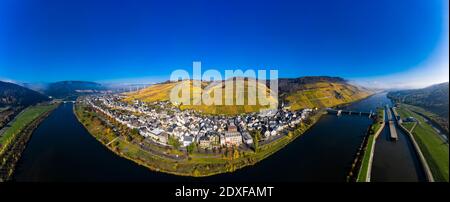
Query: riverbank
434 149
369 148
195 164
14 140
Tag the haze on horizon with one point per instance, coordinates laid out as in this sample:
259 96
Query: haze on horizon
380 44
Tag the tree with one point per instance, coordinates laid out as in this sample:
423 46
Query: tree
235 153
107 131
290 134
256 138
191 148
135 132
135 135
174 142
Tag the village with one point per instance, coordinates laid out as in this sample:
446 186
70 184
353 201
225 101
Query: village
160 122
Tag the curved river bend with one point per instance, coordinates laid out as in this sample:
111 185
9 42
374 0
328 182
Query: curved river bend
62 150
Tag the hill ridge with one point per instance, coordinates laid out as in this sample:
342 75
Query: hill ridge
297 93
16 95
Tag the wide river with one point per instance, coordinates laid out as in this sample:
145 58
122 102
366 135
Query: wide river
60 149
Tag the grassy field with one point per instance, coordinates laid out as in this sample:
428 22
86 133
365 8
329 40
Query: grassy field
433 147
362 174
21 121
324 94
378 121
408 125
439 120
198 164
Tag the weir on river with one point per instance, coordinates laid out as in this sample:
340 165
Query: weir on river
339 112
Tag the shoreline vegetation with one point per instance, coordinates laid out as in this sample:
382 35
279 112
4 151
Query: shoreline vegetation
15 138
193 162
434 148
364 158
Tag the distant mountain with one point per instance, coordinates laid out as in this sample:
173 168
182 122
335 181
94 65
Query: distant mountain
297 93
39 87
434 98
125 87
72 89
15 95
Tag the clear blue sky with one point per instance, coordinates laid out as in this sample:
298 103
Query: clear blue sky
113 40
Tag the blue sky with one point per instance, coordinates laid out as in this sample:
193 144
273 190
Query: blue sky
372 42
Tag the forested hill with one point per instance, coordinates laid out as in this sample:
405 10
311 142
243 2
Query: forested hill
433 98
14 95
69 89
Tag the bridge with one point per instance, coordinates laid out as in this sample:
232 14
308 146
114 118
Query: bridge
63 101
339 112
72 101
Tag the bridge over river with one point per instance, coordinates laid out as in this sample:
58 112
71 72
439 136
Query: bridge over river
339 112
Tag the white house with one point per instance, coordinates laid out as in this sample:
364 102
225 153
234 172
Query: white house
187 140
247 138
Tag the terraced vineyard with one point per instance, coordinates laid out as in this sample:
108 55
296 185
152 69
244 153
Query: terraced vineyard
161 92
317 92
324 94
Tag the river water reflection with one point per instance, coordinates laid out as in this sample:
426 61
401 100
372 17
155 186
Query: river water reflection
62 150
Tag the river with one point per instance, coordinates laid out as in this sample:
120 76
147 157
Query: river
395 160
62 150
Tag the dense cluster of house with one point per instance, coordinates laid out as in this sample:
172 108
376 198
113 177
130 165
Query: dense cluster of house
160 121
